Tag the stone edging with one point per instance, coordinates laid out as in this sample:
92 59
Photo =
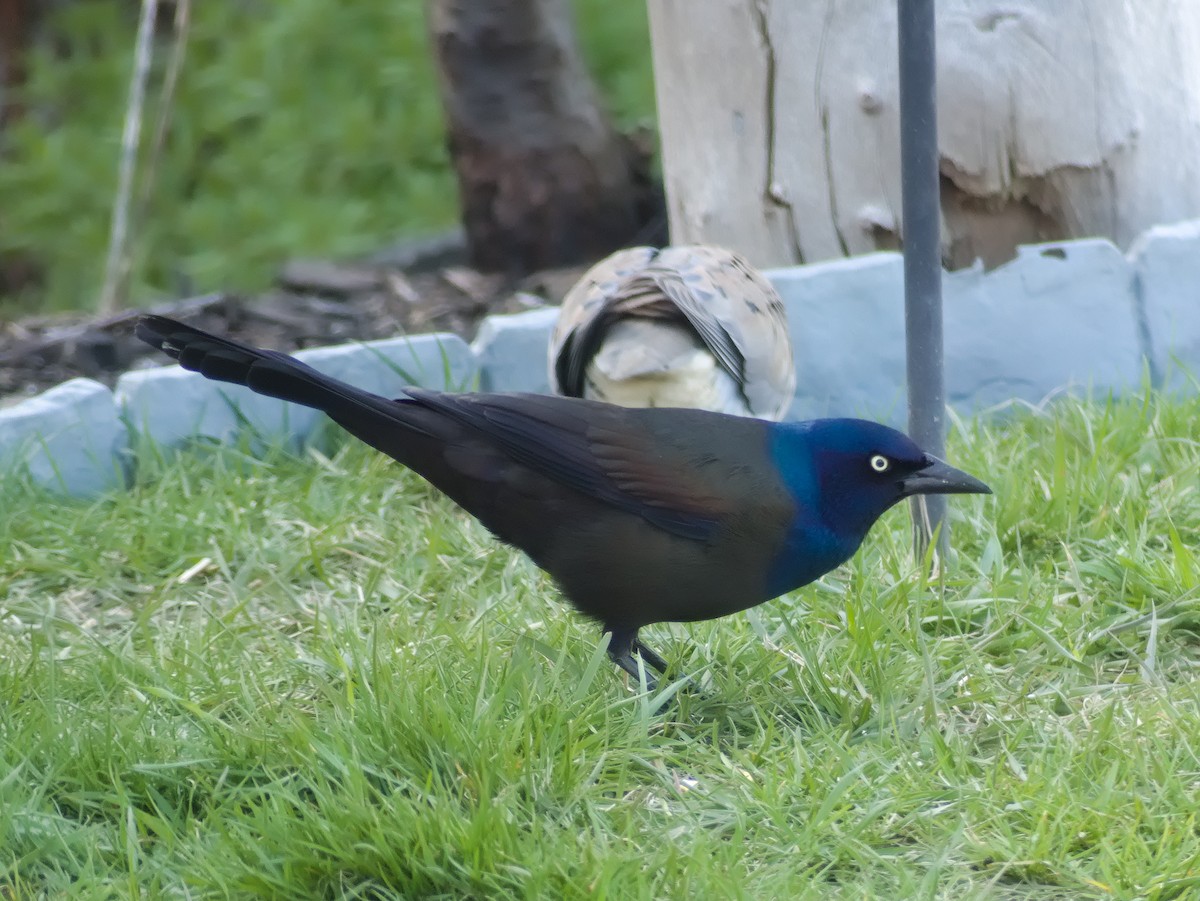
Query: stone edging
1075 314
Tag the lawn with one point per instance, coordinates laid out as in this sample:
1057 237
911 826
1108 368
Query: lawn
311 676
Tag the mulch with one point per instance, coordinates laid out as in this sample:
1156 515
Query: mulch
416 287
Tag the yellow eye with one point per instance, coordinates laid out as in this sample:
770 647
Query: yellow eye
880 463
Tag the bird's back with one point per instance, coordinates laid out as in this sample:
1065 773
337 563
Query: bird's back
691 326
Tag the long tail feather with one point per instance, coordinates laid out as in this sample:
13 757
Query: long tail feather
263 371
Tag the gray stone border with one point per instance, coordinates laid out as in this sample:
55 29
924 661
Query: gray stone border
1062 316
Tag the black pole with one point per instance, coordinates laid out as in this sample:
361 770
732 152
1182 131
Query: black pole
922 251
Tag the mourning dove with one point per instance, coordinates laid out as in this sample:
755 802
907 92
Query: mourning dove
689 326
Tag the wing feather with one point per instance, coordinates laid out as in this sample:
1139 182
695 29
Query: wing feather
611 454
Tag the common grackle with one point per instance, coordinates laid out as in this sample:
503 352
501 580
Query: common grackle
641 516
687 326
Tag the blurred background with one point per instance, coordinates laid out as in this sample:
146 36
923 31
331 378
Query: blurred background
296 129
304 172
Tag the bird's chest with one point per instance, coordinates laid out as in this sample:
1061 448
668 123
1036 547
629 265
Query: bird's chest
808 552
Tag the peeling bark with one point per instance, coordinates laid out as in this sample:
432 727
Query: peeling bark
989 227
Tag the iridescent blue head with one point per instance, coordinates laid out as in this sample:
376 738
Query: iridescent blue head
844 474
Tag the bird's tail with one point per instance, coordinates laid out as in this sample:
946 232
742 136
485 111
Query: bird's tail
266 372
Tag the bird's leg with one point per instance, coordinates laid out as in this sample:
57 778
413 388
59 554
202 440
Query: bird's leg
621 644
649 657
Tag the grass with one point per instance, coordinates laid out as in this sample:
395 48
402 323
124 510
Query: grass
311 676
296 130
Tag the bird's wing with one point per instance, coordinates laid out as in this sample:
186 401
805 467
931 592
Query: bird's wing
582 319
608 453
692 291
739 316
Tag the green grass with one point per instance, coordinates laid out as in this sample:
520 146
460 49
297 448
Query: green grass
359 694
298 129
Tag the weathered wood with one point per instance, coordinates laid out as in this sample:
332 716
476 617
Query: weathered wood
780 127
544 177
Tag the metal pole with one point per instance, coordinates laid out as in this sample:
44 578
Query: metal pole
922 252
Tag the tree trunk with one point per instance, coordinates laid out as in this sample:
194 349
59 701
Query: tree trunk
15 21
544 178
1056 120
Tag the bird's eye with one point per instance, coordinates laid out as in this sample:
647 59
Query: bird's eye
880 463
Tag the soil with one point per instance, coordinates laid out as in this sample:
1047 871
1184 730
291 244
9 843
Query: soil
417 287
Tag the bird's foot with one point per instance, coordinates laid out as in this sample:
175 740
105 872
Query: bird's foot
649 657
629 663
627 652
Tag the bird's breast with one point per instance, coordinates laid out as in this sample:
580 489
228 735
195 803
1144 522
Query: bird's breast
807 553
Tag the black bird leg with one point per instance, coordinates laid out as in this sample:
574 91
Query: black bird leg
622 644
649 657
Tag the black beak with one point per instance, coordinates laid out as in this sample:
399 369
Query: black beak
938 477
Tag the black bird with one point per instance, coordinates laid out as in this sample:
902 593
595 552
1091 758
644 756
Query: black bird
640 515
